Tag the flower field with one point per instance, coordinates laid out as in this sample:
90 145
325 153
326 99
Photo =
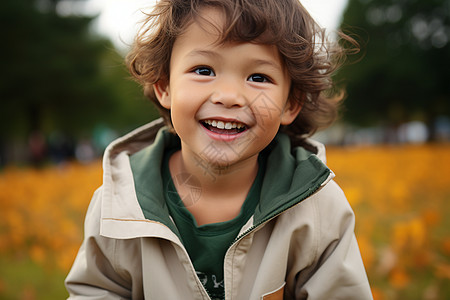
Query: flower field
400 195
41 227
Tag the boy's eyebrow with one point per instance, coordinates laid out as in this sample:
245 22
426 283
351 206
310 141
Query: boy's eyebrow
256 61
202 53
270 63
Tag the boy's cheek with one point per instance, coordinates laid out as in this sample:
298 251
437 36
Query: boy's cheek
264 108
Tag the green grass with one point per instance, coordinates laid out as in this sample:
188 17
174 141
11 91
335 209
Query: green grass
22 279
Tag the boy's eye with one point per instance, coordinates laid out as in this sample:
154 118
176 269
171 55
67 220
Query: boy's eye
258 78
204 71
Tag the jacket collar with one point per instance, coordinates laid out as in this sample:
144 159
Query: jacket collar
291 176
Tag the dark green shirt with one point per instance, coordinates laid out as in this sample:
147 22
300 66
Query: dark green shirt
207 244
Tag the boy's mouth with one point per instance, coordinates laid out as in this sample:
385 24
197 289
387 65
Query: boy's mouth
224 127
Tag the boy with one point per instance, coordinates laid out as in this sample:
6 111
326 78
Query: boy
222 203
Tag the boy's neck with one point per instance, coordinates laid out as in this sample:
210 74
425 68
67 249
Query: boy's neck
222 190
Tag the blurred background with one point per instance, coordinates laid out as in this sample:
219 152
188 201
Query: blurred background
65 94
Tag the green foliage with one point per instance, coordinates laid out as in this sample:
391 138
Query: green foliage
58 76
24 279
402 72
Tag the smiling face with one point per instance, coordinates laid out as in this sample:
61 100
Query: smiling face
227 100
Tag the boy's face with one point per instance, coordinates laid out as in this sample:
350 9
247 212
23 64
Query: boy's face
227 101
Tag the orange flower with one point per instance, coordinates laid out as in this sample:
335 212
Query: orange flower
367 251
446 245
443 271
399 279
377 294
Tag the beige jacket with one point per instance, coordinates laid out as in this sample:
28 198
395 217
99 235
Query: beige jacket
304 248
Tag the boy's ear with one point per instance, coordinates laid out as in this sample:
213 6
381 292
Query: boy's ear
290 112
162 92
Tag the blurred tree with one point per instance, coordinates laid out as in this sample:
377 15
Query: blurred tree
58 76
403 73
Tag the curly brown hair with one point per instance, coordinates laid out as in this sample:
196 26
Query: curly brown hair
310 57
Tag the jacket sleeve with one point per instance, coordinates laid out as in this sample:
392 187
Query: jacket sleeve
93 274
337 271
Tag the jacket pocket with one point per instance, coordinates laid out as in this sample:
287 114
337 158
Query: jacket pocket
275 295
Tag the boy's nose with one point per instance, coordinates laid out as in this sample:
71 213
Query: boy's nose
229 94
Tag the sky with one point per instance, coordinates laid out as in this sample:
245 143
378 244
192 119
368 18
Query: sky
117 19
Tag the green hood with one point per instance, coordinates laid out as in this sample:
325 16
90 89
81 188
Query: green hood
291 176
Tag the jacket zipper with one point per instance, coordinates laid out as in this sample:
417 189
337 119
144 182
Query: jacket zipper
265 220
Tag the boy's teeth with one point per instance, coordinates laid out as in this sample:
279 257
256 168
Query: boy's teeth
224 125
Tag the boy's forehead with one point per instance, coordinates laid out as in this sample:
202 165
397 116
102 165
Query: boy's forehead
203 31
204 39
210 20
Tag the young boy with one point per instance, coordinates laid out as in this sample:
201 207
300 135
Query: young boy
229 200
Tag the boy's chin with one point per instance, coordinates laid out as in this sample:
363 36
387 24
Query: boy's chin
221 167
218 167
